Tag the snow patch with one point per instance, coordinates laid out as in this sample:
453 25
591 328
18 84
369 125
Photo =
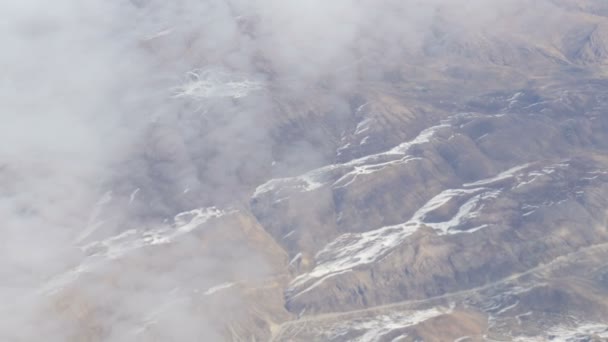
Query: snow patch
218 288
308 182
319 282
295 259
132 196
128 241
117 246
376 328
351 250
341 149
345 173
467 211
213 83
463 339
582 332
363 126
510 173
424 137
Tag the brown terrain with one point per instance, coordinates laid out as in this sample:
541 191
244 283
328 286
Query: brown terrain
457 193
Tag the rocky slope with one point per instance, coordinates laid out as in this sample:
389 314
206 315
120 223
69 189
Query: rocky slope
452 186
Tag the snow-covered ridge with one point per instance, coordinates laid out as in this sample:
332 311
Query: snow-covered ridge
461 214
351 250
214 83
468 211
510 173
576 333
522 174
308 182
129 241
340 175
355 249
183 223
363 126
374 329
583 330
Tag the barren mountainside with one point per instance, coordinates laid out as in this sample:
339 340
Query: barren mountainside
343 171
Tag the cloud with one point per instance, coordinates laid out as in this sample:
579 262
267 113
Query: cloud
164 107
